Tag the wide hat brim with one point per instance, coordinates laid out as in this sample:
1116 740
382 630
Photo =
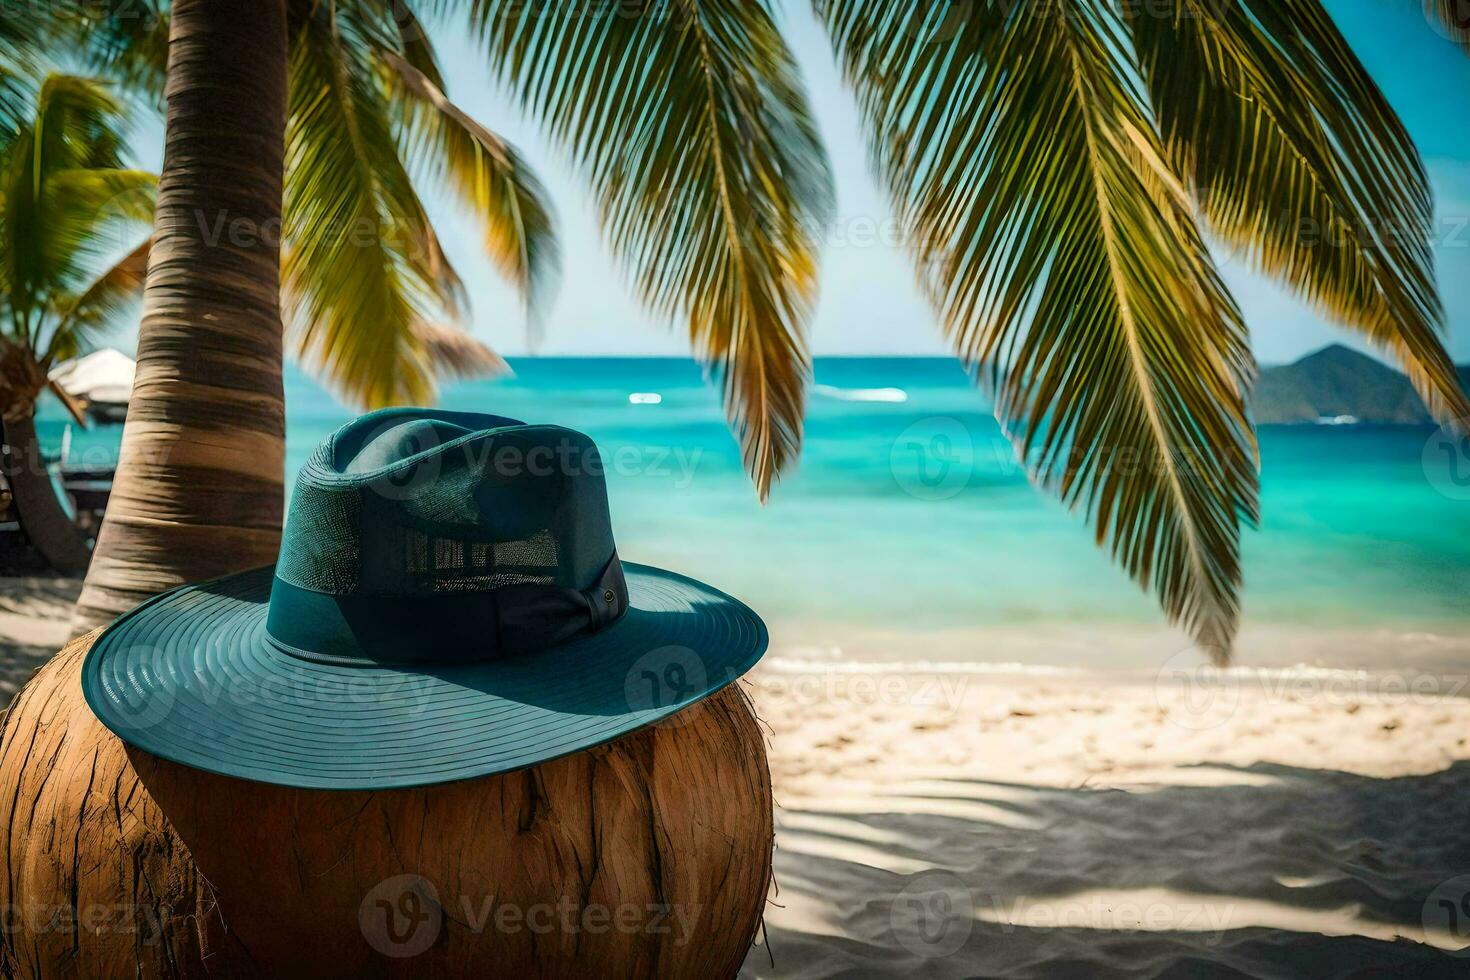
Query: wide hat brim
191 676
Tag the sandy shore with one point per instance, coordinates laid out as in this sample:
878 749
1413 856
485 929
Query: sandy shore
35 616
948 825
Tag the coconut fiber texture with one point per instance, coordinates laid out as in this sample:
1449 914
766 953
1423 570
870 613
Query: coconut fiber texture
647 856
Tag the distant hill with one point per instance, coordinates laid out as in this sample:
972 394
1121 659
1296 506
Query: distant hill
1337 381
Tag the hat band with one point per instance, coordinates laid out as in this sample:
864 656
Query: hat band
448 627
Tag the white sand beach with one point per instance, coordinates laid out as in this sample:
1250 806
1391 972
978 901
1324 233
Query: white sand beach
35 620
946 825
950 824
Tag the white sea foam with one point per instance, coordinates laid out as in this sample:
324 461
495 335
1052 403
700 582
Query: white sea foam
802 665
894 395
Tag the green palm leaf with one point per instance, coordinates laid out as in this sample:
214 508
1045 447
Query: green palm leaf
82 318
490 177
126 41
370 294
362 268
24 35
66 207
1333 200
1061 253
64 196
690 122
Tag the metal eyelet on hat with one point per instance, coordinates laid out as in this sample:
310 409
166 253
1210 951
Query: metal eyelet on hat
608 596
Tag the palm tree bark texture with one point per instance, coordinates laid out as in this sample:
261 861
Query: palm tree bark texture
199 485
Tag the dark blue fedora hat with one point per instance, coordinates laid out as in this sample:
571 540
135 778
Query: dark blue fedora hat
448 603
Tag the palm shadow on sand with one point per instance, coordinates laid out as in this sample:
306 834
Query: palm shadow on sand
1240 878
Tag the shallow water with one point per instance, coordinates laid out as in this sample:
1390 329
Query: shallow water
910 533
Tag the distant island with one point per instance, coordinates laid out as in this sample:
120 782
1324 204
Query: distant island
1339 385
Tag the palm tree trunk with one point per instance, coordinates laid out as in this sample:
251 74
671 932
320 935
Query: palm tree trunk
41 515
198 491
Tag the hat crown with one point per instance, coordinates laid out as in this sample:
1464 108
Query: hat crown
419 502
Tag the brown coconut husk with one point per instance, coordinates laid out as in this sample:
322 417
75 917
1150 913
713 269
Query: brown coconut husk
650 856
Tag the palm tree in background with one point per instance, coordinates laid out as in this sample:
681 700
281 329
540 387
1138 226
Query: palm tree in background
67 200
350 266
1056 166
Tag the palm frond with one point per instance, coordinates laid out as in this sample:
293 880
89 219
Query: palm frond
362 266
89 213
80 319
690 122
455 354
1064 260
126 41
24 37
491 179
1299 163
63 193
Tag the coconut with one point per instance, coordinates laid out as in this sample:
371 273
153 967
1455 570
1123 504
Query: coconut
649 856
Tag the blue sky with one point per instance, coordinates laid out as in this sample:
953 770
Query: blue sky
869 304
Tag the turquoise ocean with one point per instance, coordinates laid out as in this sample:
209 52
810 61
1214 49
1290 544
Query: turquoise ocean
909 533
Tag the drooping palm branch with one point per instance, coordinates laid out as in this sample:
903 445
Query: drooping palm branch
1062 255
370 300
691 125
1047 161
1299 163
23 38
67 202
369 292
